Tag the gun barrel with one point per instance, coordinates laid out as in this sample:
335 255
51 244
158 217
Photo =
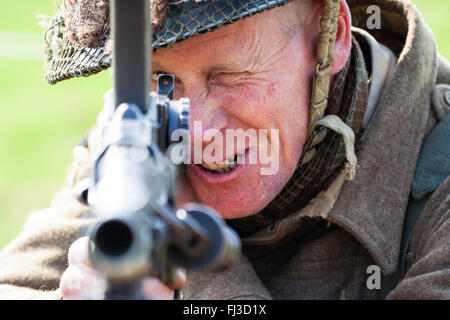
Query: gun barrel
121 247
131 29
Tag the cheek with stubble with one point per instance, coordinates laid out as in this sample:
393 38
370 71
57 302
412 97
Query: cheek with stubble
247 195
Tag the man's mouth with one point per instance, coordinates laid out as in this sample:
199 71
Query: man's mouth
227 166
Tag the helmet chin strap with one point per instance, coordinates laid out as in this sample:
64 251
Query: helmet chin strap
325 55
320 90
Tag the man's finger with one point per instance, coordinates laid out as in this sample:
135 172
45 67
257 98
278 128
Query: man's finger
154 289
180 279
77 284
79 252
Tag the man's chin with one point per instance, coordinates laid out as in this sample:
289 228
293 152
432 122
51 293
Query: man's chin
228 212
241 213
234 205
245 196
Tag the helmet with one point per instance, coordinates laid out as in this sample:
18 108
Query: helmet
77 40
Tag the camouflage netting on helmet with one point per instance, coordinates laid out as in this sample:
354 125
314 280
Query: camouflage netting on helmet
78 41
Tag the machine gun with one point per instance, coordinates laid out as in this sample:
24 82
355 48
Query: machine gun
140 232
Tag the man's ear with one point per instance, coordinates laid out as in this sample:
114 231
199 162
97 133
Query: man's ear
343 39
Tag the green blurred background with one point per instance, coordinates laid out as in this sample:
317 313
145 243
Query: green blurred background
40 124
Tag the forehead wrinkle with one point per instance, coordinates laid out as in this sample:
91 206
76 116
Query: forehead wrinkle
247 44
208 40
213 46
265 43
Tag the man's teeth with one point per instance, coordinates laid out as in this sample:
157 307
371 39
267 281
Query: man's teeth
219 168
227 166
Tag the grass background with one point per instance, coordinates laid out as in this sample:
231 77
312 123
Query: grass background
40 124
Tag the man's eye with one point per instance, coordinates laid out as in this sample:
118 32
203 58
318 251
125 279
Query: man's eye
228 77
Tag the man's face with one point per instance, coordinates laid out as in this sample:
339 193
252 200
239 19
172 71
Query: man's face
247 75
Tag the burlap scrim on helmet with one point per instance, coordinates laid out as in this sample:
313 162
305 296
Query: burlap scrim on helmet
87 21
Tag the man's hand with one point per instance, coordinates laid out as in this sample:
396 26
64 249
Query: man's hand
80 281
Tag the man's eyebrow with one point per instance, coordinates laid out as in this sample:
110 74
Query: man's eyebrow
237 65
231 65
213 68
155 66
224 66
